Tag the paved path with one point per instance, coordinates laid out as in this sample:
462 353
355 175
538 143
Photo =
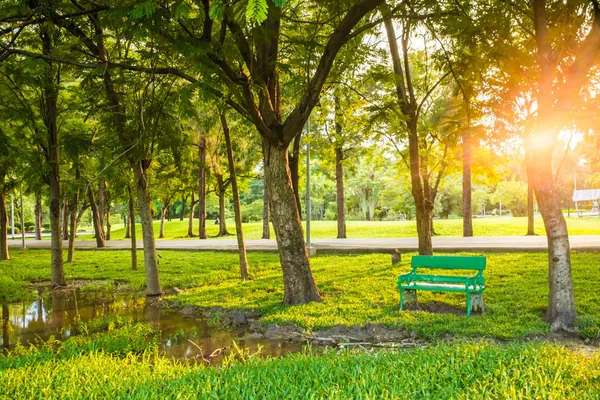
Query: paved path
499 244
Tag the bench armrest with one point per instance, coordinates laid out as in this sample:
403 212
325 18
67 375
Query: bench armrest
407 277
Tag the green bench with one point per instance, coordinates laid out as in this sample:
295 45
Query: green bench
472 286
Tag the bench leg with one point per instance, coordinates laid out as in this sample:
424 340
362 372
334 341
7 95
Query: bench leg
476 302
410 297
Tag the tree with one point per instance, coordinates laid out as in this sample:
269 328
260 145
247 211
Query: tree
236 199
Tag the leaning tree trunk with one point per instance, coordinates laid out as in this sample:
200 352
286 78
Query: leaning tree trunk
150 259
202 187
236 201
4 254
266 228
132 232
298 281
50 121
221 192
466 186
96 219
38 217
73 225
65 221
190 232
340 200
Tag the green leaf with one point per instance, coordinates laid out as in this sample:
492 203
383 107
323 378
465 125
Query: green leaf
144 9
257 10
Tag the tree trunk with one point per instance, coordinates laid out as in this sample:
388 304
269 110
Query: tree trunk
107 212
127 227
191 218
50 116
5 325
73 226
530 202
96 219
299 284
150 259
407 104
100 209
132 233
221 192
340 200
202 187
38 217
266 228
4 254
561 313
163 213
183 201
294 161
236 201
466 186
65 221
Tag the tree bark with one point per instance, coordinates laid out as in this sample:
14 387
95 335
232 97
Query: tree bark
266 228
100 209
163 213
183 201
191 218
107 201
221 188
38 217
96 219
73 226
4 254
466 186
202 186
236 201
340 200
299 284
530 202
127 228
294 161
53 158
65 221
150 259
132 233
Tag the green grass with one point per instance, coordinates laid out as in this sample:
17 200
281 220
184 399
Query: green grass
357 289
505 226
442 371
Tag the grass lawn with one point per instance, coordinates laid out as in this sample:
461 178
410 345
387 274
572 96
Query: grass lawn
101 367
356 289
505 226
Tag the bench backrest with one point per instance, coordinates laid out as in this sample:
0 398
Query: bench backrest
449 262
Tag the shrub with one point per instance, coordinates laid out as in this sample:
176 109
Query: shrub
46 226
29 224
9 229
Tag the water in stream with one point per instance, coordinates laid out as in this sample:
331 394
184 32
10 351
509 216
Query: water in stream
56 314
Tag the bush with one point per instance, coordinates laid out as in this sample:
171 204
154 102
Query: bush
29 224
46 226
29 228
9 229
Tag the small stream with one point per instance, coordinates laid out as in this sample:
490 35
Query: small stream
56 314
